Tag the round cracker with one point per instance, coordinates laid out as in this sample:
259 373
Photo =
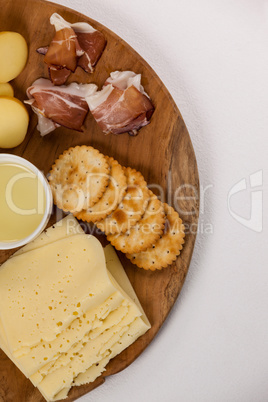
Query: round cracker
112 196
131 208
166 249
78 178
146 231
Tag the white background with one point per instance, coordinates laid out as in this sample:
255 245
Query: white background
213 58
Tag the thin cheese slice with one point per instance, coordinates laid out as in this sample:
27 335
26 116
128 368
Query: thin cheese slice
66 358
127 309
92 372
90 354
136 329
115 267
69 226
102 316
4 346
66 227
44 290
35 359
117 271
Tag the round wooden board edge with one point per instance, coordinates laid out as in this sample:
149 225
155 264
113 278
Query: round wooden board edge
98 25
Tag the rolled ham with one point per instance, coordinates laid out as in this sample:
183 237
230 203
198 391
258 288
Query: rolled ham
62 51
59 105
73 45
122 105
93 44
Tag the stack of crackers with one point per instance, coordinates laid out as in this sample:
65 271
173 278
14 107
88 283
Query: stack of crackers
96 188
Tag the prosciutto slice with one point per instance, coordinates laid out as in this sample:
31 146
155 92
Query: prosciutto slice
122 105
73 45
62 51
59 106
93 44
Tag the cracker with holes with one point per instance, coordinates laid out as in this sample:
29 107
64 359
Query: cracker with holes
132 207
78 178
166 249
112 196
146 231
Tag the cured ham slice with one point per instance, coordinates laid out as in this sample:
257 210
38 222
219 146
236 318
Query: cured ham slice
57 74
59 105
93 44
122 105
62 51
73 45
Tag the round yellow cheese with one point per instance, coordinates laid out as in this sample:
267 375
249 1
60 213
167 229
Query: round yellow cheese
6 89
13 55
14 120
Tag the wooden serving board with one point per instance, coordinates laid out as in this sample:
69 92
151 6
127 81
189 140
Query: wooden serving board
162 151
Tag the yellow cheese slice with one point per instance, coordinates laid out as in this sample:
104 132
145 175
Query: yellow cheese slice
34 360
117 271
44 290
90 354
136 329
62 394
92 372
110 324
113 319
69 226
114 266
66 227
4 346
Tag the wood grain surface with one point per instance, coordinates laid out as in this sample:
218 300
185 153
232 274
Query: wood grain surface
162 151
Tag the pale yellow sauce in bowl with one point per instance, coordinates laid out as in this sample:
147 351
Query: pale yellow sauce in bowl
25 201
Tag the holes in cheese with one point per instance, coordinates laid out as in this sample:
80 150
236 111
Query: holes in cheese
79 352
13 55
58 349
87 272
74 333
92 372
92 355
14 122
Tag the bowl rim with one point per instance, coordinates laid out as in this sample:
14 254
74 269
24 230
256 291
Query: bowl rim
10 158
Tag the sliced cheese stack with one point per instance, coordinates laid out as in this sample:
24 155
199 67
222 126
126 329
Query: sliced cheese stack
66 308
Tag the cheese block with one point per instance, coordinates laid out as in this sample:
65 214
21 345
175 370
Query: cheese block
112 320
115 267
136 329
74 305
44 290
134 311
69 226
93 352
92 372
34 360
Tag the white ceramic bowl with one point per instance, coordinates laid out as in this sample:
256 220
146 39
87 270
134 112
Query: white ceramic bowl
9 158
